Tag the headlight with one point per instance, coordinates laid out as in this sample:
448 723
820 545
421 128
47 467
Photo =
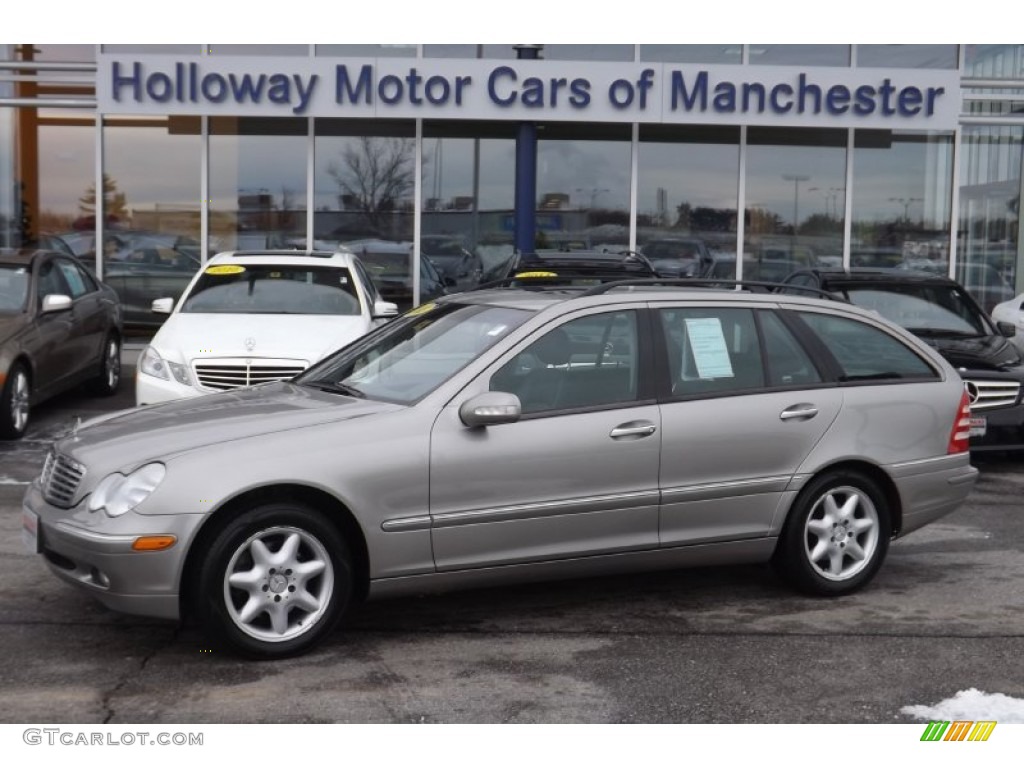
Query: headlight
152 364
116 494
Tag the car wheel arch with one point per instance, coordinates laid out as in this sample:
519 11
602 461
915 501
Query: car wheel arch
874 472
336 512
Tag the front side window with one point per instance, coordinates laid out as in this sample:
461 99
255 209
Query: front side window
273 290
866 353
50 281
13 288
712 350
410 357
75 279
589 362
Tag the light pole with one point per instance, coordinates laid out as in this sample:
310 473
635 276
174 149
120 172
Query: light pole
594 192
796 179
906 202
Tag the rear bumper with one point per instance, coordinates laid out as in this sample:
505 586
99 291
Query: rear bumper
933 488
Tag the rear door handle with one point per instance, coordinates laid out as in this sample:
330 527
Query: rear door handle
802 411
633 429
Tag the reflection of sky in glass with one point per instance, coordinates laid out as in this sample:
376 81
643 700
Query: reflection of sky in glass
588 171
703 175
245 165
768 189
151 166
912 178
66 162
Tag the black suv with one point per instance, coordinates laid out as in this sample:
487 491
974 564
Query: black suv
943 313
572 267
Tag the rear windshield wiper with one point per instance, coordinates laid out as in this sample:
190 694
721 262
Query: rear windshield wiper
326 385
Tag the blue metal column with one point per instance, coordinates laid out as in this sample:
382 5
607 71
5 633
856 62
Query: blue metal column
526 173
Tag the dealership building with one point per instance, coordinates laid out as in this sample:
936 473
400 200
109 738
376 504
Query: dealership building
863 155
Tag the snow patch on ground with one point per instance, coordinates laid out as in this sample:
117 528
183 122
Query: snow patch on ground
971 704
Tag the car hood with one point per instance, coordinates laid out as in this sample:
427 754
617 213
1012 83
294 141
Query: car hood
185 337
134 437
987 353
10 325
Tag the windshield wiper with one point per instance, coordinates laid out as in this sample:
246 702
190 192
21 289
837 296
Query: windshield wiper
326 385
944 332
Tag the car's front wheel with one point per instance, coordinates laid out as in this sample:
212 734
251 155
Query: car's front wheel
15 402
836 536
274 582
108 379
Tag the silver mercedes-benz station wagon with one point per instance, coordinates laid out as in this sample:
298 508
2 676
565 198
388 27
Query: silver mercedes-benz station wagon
508 435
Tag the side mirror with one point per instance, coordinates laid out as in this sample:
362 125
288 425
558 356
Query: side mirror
1009 330
491 408
384 309
56 302
162 306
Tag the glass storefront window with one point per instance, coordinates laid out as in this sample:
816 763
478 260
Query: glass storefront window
988 235
688 186
902 200
257 182
583 173
50 178
151 236
468 198
994 61
795 200
693 54
374 51
481 51
801 55
588 52
908 56
77 54
246 49
153 48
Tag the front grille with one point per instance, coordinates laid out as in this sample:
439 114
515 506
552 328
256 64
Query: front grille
993 393
60 479
220 375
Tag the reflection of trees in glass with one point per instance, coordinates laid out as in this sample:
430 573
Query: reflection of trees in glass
375 174
115 206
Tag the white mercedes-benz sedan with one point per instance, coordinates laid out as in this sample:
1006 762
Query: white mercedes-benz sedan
250 317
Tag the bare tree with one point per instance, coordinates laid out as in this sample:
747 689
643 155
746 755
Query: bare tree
375 174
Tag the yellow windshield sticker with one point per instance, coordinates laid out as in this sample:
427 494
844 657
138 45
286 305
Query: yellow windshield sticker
537 274
421 309
225 269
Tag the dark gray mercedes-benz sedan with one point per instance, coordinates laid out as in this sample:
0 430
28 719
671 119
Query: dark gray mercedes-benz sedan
508 435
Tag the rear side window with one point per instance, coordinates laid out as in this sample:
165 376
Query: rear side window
712 350
867 353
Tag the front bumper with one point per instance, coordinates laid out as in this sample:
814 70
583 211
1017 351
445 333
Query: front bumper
94 553
1004 430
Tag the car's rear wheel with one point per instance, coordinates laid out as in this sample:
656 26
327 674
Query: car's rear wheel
109 377
836 536
15 403
274 582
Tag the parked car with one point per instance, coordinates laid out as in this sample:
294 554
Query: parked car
515 435
389 265
985 284
59 327
678 256
573 267
945 315
1012 313
255 316
453 260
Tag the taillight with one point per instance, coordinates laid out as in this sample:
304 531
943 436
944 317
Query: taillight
960 437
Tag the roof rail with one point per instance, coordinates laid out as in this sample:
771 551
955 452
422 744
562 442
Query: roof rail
752 286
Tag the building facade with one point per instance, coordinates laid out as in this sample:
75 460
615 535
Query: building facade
774 155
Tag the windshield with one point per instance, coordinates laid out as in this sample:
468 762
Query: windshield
410 357
923 309
273 289
13 287
387 264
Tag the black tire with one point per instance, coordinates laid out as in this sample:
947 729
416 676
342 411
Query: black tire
15 403
280 611
836 536
108 379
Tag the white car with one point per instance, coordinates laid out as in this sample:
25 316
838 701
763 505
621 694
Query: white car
250 317
1012 312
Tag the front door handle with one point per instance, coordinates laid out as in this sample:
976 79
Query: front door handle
633 429
803 411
